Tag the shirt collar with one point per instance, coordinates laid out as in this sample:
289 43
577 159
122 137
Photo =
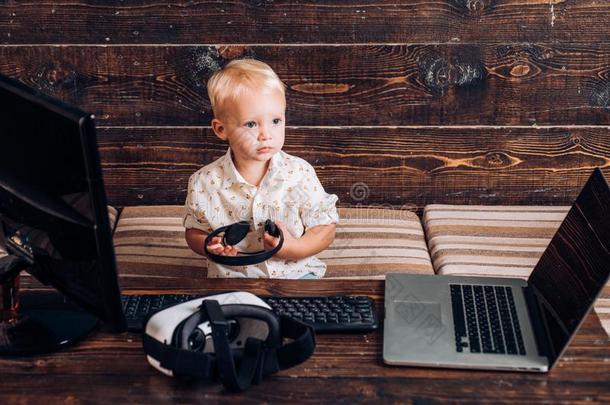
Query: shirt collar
232 175
277 166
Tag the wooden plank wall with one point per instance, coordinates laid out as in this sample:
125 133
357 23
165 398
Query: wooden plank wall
394 102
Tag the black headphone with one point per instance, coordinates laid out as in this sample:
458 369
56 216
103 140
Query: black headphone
233 234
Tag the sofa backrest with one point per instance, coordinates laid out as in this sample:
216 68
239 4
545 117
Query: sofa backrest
402 104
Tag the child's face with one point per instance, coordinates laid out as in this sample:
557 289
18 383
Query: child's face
253 125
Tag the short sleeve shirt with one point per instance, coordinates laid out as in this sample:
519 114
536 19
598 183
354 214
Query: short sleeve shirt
290 191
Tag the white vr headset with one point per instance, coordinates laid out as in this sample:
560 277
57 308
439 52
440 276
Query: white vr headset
234 337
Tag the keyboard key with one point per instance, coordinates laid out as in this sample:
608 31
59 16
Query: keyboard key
458 315
505 321
471 320
515 319
483 319
496 329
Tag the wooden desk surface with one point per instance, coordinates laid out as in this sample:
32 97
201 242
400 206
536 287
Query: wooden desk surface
106 368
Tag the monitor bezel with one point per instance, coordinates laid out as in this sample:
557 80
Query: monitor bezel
111 313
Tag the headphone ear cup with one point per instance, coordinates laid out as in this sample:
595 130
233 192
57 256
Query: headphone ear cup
271 228
236 232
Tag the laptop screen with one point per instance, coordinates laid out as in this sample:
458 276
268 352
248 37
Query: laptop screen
575 266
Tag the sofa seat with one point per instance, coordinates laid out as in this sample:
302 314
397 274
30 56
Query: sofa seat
478 240
370 242
499 241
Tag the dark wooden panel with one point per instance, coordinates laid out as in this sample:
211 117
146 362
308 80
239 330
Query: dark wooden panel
344 368
338 21
388 166
343 85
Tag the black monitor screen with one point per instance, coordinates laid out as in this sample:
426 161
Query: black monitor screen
52 200
576 265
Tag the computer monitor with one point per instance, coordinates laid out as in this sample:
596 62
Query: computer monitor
53 222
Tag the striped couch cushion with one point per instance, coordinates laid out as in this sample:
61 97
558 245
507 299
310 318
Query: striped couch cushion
478 240
500 241
113 215
602 307
149 242
371 242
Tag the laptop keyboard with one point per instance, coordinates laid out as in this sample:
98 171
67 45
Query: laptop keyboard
485 319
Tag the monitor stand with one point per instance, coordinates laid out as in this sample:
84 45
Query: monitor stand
36 322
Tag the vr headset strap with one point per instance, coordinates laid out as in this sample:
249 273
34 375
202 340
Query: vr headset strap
302 346
229 376
293 353
180 361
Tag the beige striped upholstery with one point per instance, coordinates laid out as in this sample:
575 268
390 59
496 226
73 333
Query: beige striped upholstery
501 241
504 241
149 242
113 215
602 307
371 242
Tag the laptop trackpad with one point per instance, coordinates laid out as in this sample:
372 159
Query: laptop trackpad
417 313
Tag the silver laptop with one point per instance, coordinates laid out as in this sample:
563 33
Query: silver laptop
504 323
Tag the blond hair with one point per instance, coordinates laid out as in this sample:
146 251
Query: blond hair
238 77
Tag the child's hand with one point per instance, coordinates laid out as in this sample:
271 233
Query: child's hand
217 248
290 242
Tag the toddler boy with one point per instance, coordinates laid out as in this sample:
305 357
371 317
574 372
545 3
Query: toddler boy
255 181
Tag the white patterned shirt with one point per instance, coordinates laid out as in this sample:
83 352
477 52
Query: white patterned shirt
290 191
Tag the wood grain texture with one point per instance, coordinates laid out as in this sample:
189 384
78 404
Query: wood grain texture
530 84
384 166
336 21
347 368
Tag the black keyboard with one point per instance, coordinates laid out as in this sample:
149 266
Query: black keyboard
326 314
329 314
485 319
